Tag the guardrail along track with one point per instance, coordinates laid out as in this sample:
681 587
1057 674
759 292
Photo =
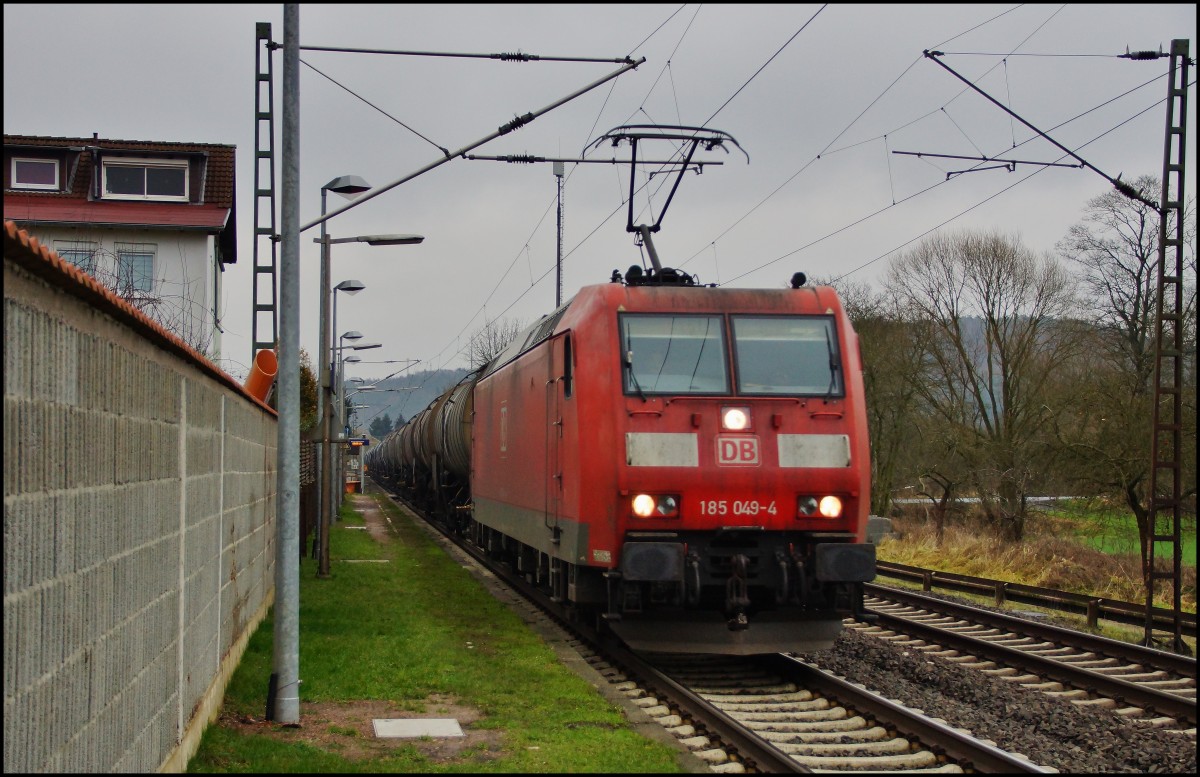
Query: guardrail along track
1094 608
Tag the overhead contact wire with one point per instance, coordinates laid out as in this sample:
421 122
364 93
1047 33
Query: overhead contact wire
376 107
537 226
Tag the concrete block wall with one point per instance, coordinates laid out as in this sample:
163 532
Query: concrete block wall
139 533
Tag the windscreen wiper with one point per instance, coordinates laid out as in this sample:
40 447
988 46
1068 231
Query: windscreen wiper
833 364
632 374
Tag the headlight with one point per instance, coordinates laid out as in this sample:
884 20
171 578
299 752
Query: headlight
831 507
656 506
735 419
823 506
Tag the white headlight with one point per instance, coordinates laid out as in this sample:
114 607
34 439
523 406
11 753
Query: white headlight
831 506
643 505
735 419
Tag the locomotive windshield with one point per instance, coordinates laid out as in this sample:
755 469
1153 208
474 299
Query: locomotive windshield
787 355
674 354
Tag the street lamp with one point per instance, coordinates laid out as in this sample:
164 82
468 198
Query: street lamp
341 371
358 407
348 186
332 486
337 467
341 367
350 287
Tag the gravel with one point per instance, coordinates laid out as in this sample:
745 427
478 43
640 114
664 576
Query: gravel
1049 731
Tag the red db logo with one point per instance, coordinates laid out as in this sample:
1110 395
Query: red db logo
737 451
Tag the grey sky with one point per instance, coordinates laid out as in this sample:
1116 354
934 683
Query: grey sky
818 122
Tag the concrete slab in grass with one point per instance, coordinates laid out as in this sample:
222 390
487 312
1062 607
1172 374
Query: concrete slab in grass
417 727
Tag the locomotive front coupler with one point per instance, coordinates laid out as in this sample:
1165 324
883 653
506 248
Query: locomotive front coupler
612 584
737 593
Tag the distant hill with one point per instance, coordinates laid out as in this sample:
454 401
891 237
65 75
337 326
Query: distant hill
418 389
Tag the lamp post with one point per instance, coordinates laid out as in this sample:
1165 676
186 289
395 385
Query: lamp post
342 185
332 488
350 287
358 407
351 359
347 186
338 466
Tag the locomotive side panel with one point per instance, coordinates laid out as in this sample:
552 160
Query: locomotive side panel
516 456
592 429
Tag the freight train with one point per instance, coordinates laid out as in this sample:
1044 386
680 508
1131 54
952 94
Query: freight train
685 464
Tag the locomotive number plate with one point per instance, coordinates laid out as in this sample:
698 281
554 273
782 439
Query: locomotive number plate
737 507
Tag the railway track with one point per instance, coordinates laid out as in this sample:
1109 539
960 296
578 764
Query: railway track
825 723
766 714
1149 687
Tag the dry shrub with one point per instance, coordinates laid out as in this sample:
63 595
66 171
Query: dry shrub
1040 560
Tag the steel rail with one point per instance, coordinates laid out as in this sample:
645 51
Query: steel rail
969 752
1152 700
1094 607
1184 666
754 751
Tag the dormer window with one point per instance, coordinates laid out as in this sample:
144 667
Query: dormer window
34 173
145 179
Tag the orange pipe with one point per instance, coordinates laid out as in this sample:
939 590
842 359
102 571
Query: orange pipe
262 374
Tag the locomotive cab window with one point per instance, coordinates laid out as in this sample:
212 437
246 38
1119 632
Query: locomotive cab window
673 354
787 355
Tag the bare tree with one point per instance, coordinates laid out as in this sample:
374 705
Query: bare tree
993 308
891 355
1106 436
1116 247
174 309
490 340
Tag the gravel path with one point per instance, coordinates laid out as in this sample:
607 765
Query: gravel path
1049 731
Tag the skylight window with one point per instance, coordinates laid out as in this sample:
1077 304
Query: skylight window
35 174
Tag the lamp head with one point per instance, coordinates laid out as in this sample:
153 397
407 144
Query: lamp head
347 186
390 240
353 334
350 287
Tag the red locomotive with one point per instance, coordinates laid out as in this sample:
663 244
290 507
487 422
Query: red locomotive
688 463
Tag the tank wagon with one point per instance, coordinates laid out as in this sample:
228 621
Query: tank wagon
687 464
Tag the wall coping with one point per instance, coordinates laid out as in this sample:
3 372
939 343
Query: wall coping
26 251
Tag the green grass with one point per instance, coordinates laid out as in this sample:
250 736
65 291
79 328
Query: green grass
416 629
1061 550
1114 531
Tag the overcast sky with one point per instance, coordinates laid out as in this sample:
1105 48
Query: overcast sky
818 97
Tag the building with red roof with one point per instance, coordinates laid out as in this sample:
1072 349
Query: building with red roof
153 221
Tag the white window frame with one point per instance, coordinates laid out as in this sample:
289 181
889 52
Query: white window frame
66 247
125 249
125 161
39 186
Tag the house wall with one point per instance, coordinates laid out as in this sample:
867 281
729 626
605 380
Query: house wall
139 529
182 298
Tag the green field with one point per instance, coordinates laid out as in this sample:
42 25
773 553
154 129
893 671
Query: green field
1115 531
